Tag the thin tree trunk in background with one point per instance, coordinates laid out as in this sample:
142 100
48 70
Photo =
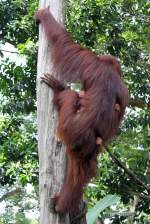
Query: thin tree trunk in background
52 160
133 209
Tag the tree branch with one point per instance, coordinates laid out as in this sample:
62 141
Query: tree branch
134 102
12 52
147 197
118 213
131 192
128 171
10 193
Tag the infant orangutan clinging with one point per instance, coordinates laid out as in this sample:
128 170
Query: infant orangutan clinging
83 120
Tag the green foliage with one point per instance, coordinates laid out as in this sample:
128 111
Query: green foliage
18 205
17 88
18 158
18 81
94 212
18 148
17 23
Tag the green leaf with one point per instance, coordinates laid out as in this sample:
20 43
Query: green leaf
94 212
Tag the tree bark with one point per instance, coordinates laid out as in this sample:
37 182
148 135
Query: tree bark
52 160
132 209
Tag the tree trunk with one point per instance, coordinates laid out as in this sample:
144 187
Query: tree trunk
52 160
135 202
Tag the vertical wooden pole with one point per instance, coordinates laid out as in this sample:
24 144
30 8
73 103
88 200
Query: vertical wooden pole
51 156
